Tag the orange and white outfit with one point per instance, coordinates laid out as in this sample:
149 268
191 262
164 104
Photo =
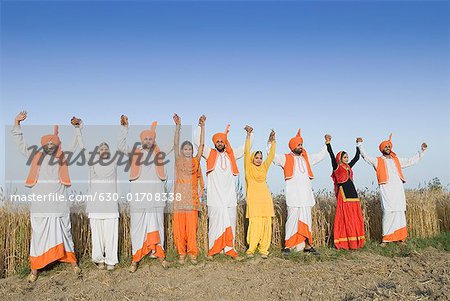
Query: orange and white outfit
51 238
148 202
221 193
299 195
186 205
390 181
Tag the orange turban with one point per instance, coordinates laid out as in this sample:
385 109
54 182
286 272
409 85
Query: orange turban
54 139
151 133
221 136
295 141
51 138
386 143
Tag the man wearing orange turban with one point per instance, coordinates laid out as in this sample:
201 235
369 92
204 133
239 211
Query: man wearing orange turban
299 196
147 177
390 178
221 172
51 238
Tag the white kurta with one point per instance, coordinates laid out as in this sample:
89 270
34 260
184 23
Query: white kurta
148 187
102 187
146 212
392 193
103 209
48 182
221 192
298 189
299 194
50 220
393 199
221 183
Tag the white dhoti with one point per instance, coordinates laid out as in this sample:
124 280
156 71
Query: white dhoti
147 233
51 240
299 199
393 198
298 227
222 230
105 234
394 226
51 237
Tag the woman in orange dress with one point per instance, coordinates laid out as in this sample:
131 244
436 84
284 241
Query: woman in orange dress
189 186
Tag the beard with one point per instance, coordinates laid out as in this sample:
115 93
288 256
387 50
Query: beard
387 153
49 151
220 149
297 151
147 146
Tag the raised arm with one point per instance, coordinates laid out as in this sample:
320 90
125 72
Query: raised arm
80 139
407 162
17 135
272 150
278 159
356 157
332 156
370 160
123 133
318 157
176 137
239 151
247 155
76 141
201 147
197 140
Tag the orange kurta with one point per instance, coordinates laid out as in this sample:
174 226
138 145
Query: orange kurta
186 204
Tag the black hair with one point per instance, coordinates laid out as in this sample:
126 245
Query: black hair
186 143
258 152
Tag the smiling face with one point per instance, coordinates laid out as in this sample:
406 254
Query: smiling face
387 150
147 143
298 149
187 149
103 151
220 145
258 158
344 158
50 148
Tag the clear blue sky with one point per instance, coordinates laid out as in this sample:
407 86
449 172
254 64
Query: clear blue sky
346 68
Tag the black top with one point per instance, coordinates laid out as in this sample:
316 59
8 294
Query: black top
333 158
348 187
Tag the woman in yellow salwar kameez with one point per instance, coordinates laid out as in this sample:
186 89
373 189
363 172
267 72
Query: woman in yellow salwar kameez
259 200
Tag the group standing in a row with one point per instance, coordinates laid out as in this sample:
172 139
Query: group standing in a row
51 238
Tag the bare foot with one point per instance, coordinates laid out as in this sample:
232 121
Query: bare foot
133 267
193 259
101 266
164 263
182 259
33 276
76 270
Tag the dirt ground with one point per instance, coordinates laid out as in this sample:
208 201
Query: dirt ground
361 276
